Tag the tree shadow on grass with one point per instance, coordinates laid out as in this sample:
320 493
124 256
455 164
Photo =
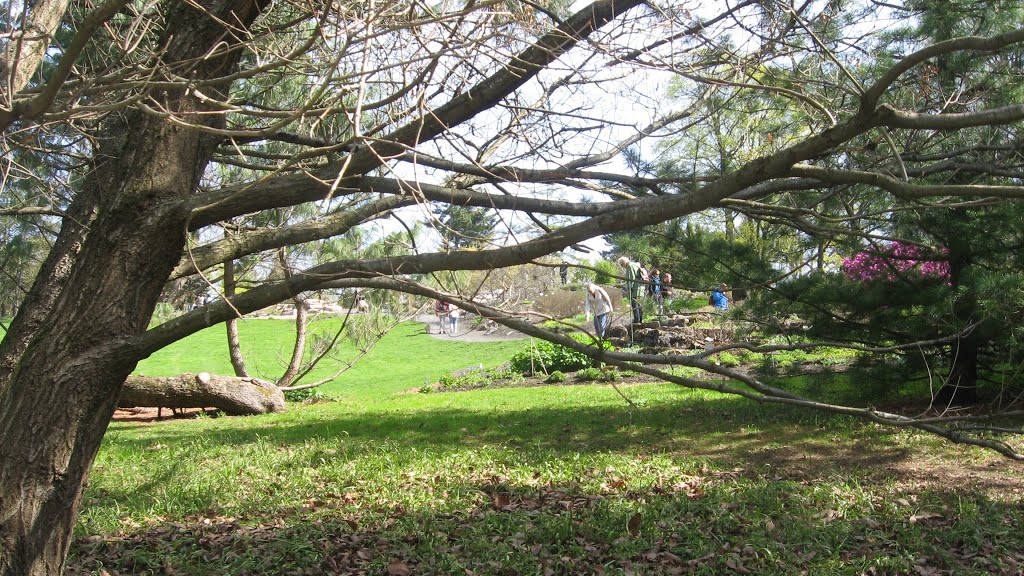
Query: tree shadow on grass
711 524
782 442
703 486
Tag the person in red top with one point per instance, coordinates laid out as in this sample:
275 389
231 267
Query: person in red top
441 309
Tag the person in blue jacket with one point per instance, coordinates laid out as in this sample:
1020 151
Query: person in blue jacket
719 299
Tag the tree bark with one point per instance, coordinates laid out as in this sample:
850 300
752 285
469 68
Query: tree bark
299 349
234 343
961 386
76 342
234 396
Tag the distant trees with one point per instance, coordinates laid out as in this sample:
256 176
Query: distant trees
465 226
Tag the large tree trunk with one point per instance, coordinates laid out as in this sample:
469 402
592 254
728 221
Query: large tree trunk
72 345
961 386
234 396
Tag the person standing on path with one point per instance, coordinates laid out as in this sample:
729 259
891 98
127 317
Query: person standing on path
453 318
634 284
600 304
441 309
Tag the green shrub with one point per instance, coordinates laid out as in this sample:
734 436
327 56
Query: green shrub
465 378
727 359
543 356
589 374
606 271
504 372
592 374
597 374
556 377
610 375
304 395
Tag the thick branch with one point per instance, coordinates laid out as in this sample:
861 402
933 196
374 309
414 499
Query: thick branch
903 189
236 396
25 63
895 118
872 95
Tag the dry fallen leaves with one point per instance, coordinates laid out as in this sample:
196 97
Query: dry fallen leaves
634 524
396 568
501 501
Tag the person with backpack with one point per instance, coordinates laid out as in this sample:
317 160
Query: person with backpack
654 289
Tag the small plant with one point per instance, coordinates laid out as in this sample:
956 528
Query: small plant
544 357
727 359
503 372
304 395
506 374
556 377
589 374
610 375
473 377
606 272
599 375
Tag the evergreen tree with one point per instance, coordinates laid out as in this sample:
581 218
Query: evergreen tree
465 226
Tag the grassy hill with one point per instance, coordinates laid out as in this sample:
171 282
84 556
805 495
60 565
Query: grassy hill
403 359
579 479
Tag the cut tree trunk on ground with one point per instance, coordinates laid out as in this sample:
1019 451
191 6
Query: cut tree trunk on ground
234 396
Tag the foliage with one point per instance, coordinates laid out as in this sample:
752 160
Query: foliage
589 374
544 356
603 374
305 395
894 261
467 377
555 377
606 273
465 226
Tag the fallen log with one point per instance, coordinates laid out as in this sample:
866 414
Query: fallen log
232 395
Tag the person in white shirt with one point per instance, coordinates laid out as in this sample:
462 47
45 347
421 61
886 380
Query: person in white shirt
600 304
453 319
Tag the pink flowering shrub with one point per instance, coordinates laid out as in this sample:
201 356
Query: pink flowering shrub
895 260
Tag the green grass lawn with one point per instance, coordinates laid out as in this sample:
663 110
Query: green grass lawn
543 480
404 358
